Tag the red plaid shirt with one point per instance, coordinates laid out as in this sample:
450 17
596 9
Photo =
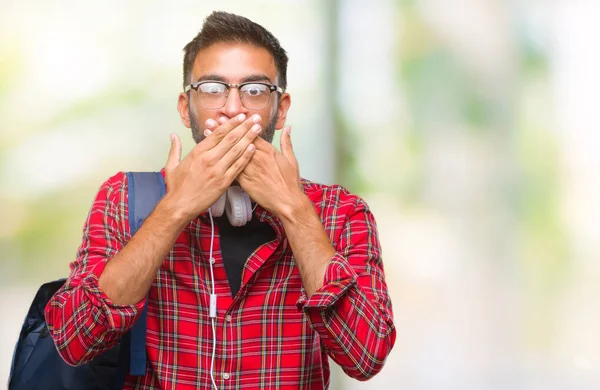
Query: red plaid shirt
270 335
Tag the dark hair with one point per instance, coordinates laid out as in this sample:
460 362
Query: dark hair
225 27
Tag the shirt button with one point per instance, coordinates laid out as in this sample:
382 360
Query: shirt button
225 375
228 318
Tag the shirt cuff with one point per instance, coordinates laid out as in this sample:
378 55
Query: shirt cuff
339 277
119 317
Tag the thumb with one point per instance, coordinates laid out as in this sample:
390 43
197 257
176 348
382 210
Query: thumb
174 153
285 143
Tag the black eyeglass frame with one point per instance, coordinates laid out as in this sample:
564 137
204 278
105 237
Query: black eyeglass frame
194 86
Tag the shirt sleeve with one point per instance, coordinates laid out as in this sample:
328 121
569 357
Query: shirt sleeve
352 311
81 318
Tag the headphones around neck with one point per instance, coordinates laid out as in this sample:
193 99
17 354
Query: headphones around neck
236 204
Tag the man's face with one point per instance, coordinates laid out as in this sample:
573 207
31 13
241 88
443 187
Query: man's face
233 63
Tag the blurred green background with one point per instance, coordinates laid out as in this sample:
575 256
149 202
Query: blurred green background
470 127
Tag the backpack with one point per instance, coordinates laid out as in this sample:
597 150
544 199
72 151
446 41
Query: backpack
36 364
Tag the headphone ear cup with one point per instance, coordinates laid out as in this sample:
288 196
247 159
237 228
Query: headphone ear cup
218 207
247 206
238 206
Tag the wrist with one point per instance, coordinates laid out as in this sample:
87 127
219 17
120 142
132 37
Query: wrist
171 209
300 208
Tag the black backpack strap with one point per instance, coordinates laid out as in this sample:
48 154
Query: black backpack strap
145 190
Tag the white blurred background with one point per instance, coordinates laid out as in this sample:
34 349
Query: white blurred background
470 127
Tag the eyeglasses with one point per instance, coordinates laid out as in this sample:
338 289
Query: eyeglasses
253 95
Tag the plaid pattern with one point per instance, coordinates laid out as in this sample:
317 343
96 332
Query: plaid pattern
269 336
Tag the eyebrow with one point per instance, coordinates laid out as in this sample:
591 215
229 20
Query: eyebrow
247 79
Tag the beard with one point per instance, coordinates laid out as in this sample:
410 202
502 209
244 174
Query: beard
266 134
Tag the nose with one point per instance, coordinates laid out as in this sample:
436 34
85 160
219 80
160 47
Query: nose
233 105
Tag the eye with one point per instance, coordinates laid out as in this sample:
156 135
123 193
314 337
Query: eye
254 89
212 88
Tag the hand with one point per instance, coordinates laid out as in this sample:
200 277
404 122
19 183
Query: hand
197 181
272 179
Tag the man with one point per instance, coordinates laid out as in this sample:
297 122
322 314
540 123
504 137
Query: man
302 280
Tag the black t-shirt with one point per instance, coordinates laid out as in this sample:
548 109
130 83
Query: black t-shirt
238 243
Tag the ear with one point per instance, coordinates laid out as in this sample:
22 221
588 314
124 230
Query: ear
183 108
284 105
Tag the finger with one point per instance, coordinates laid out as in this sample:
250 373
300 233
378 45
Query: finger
222 120
222 130
211 124
286 147
285 143
261 144
228 140
238 166
174 153
238 149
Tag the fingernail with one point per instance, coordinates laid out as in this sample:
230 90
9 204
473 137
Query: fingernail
251 147
172 137
207 132
241 117
210 123
289 130
256 128
256 118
